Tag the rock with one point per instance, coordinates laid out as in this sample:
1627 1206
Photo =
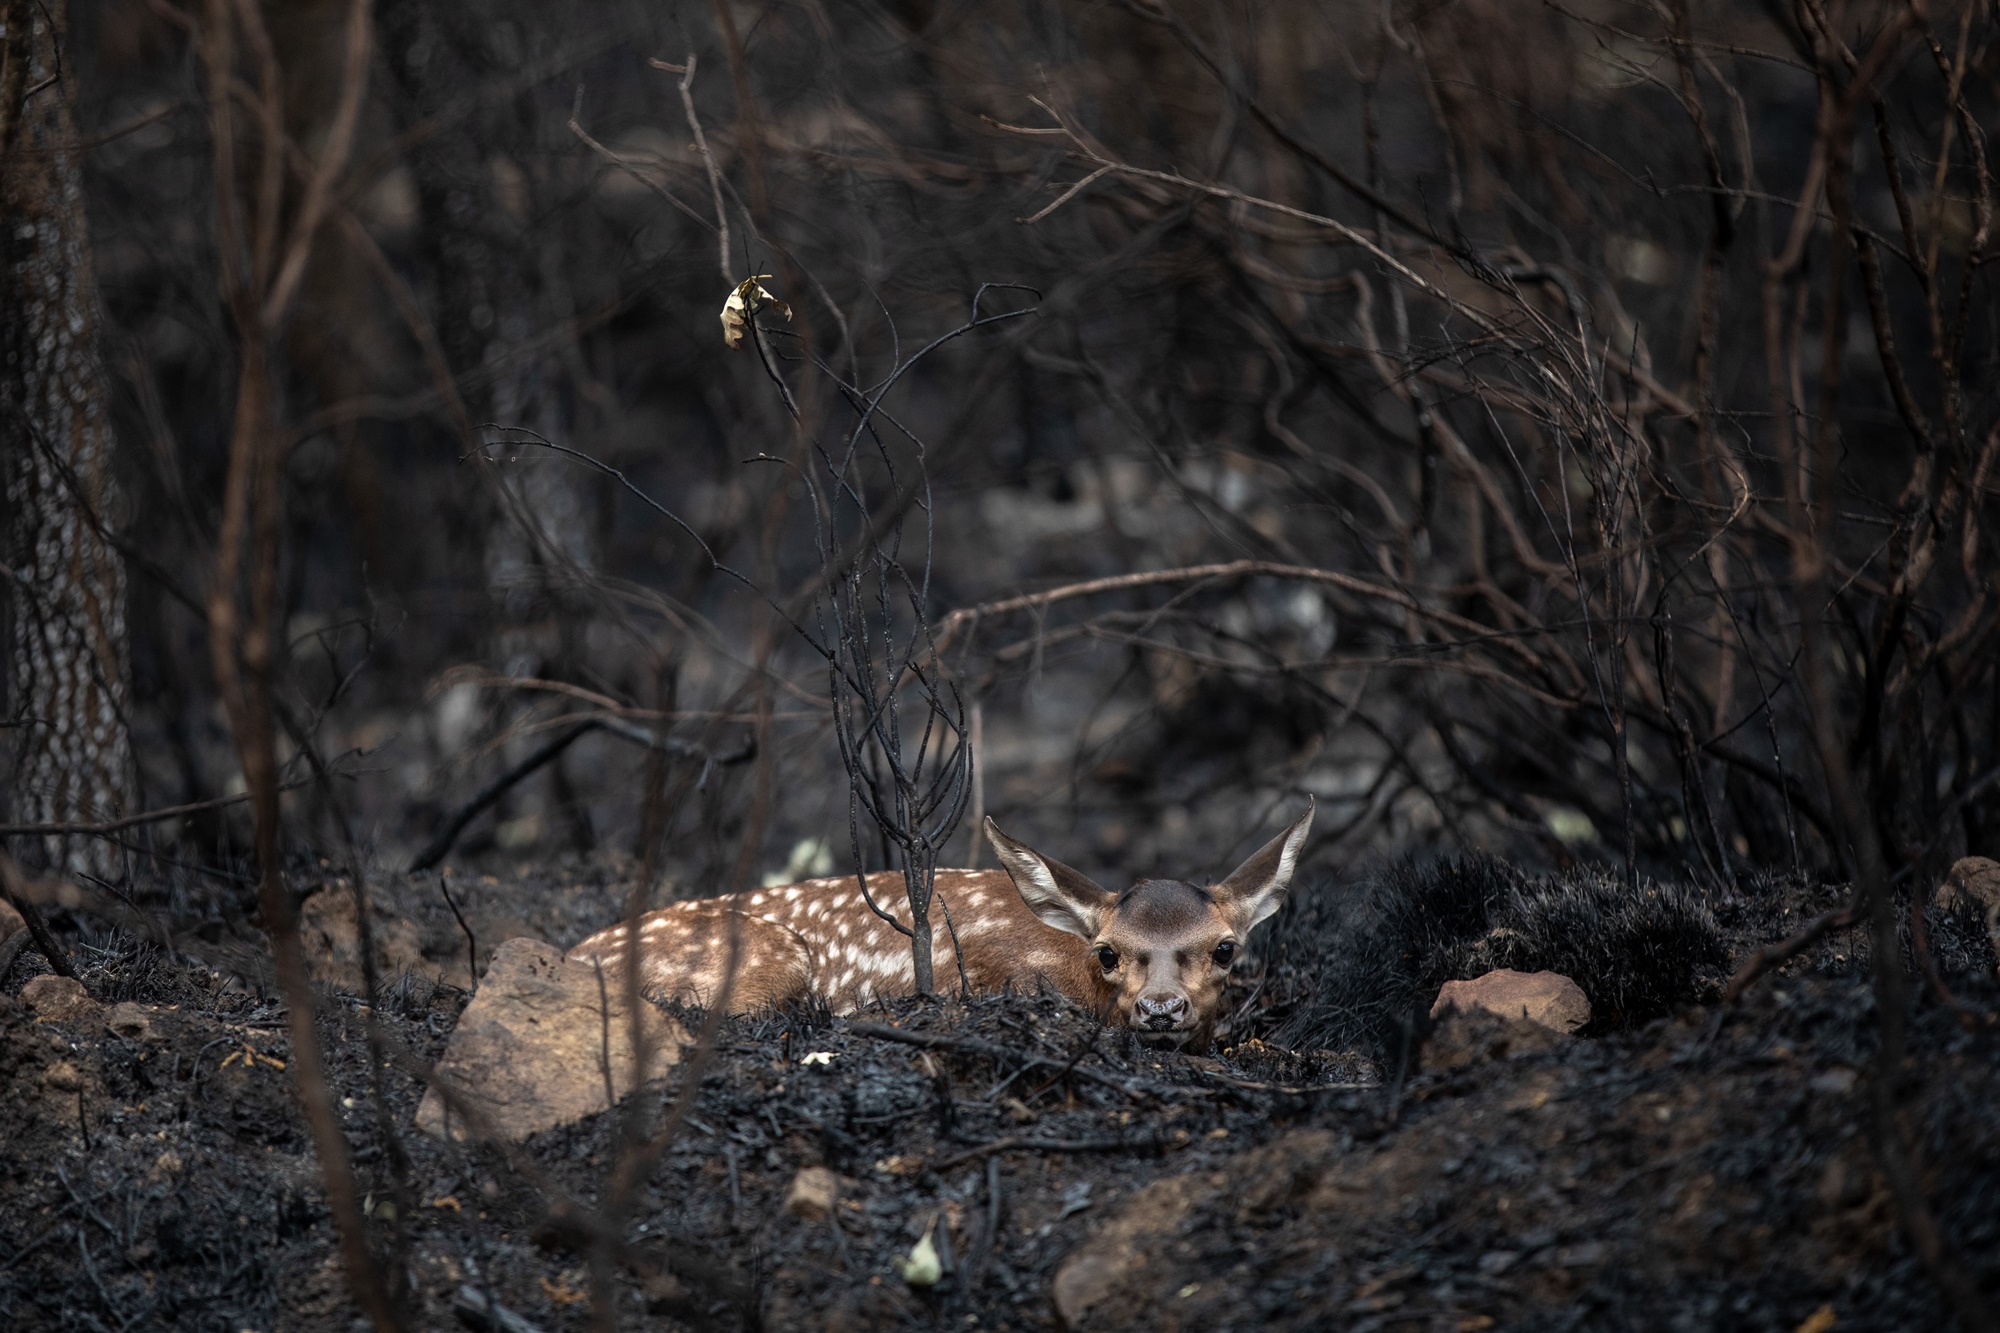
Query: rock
59 999
331 932
11 923
1972 882
62 1076
813 1193
131 1021
529 1051
1547 998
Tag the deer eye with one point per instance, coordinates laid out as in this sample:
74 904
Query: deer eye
1107 958
1225 953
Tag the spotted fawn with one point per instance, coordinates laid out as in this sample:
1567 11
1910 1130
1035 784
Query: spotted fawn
1153 958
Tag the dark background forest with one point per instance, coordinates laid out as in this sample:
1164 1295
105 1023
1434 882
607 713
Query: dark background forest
1564 431
1569 623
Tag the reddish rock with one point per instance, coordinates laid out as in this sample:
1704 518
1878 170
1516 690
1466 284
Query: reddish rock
1547 998
529 1052
11 923
134 1022
813 1193
59 999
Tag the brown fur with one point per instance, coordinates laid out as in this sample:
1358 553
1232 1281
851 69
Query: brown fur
792 944
1157 946
1036 923
1164 933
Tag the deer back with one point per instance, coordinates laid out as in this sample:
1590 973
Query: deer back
820 938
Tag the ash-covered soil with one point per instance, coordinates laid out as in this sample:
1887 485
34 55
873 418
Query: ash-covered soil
1705 1169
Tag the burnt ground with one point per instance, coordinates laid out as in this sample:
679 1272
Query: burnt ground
1704 1169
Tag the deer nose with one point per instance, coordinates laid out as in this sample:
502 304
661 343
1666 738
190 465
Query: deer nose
1162 1012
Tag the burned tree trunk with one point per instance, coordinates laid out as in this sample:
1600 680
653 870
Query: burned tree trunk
66 651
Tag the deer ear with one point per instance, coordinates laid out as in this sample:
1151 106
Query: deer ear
1256 889
1066 899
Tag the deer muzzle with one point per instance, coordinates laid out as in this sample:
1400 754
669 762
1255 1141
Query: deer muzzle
1162 1013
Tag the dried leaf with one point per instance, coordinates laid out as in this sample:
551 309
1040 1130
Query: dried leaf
742 306
923 1268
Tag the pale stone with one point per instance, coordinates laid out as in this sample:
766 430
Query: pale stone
1972 881
131 1021
1547 998
59 999
814 1191
530 1050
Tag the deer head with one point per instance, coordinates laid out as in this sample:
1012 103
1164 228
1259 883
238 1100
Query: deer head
1163 948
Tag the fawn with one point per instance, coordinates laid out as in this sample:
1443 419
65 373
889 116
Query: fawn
1153 958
